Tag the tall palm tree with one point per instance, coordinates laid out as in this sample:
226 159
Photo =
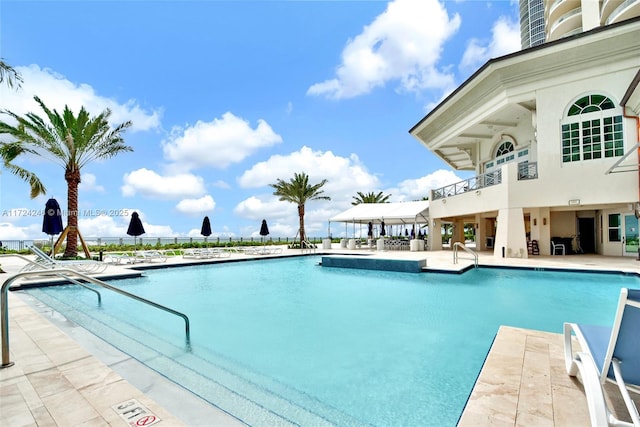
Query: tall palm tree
299 191
370 197
70 141
9 75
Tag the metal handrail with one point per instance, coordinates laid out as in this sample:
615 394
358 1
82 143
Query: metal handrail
39 266
63 272
457 245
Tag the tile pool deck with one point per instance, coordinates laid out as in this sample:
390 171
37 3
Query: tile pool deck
65 376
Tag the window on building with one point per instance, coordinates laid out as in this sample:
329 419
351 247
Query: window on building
615 234
592 129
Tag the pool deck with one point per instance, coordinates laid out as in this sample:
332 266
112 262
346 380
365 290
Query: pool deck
65 376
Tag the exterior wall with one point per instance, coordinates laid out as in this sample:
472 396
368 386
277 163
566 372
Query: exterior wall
531 107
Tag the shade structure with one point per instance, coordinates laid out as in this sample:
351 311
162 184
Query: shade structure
264 229
135 227
206 227
400 213
52 222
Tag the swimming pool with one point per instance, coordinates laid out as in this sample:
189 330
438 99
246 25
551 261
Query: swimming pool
278 341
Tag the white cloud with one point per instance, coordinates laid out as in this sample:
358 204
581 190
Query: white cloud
196 206
218 143
345 177
116 226
221 184
416 189
56 92
148 183
402 44
505 39
89 183
10 231
343 174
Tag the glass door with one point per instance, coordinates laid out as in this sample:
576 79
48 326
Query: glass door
630 235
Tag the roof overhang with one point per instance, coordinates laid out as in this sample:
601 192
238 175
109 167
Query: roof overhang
501 95
390 213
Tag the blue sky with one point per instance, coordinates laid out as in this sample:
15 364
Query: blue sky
228 96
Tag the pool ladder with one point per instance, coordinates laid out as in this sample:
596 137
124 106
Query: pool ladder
457 245
64 273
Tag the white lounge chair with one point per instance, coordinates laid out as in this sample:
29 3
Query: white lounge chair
45 262
150 256
608 353
115 258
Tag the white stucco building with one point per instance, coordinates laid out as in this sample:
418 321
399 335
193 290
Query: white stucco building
551 136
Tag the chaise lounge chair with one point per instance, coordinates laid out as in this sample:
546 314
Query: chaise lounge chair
149 256
608 353
45 262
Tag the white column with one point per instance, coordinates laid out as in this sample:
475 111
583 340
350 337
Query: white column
510 234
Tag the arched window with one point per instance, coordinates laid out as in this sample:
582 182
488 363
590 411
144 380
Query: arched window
592 129
504 148
506 152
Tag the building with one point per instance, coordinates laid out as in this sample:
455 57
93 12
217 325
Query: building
551 136
568 17
532 32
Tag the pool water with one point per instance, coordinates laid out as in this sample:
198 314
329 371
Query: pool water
288 341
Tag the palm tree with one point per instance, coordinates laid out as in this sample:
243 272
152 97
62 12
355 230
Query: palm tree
299 191
370 198
69 140
8 152
9 75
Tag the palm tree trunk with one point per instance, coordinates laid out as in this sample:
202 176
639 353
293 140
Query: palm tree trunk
73 179
301 216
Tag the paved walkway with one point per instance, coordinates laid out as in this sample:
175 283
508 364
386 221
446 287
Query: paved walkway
64 376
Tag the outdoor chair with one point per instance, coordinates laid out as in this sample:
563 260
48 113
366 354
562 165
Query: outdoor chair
608 353
45 262
558 247
149 256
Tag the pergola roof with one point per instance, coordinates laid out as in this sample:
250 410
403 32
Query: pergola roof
390 213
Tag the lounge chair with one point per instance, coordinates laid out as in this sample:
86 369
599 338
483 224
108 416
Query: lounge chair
45 262
150 256
608 353
115 258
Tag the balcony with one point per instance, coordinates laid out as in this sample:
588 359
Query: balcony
628 9
526 171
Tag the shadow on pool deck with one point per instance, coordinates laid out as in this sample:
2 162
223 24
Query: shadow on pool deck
63 375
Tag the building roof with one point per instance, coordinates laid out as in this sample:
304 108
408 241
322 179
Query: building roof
390 213
501 95
631 98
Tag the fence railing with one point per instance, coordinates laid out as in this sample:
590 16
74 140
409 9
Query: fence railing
526 170
471 184
23 245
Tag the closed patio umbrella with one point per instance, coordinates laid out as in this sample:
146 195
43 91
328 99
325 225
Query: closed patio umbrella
264 229
370 231
135 228
382 230
206 228
52 221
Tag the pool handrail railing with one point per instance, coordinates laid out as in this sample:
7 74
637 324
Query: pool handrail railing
63 273
457 245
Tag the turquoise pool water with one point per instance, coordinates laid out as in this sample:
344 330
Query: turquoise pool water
277 341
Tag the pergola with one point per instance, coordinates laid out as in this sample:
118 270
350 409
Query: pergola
402 213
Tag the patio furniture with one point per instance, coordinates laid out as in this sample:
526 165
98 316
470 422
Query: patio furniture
608 353
558 248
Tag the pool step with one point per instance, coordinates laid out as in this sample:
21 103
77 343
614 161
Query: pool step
250 397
